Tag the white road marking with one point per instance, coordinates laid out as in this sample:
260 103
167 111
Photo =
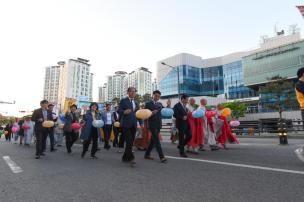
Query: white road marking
240 165
13 166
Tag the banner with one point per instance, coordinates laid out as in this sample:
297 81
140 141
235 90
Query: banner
67 103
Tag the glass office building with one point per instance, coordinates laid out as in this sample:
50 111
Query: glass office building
212 81
234 82
284 61
189 82
238 75
226 80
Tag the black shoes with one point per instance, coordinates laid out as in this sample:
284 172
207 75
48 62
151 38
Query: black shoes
107 147
183 156
163 160
214 148
149 157
37 157
53 150
133 163
93 157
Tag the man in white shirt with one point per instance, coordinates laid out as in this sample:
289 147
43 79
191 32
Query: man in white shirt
108 119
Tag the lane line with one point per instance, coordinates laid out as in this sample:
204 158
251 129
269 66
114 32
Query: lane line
12 165
239 165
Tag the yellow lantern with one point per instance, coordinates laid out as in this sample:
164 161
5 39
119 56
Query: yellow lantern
143 114
61 126
5 132
226 112
48 124
117 124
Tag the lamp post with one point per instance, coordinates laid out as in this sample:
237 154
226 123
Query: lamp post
177 70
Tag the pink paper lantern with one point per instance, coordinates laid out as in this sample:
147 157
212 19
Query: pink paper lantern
15 129
25 127
234 123
76 126
210 114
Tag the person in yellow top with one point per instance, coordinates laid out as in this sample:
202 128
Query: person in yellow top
300 97
300 90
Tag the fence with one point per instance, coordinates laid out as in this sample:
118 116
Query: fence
259 127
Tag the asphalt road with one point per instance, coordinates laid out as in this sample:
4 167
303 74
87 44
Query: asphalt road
255 170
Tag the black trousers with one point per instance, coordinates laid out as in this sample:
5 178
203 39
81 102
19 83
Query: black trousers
116 133
107 132
93 137
50 133
70 139
129 135
40 136
155 142
184 136
122 139
8 137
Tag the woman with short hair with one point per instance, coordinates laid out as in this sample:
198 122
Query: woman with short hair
89 133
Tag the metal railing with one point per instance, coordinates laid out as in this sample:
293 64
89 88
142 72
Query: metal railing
259 127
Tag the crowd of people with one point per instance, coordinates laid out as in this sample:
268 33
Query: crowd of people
121 126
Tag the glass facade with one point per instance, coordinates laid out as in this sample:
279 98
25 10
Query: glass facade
283 61
268 99
212 81
234 82
189 81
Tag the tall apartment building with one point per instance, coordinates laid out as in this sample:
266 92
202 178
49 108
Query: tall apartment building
154 85
76 81
118 84
51 83
71 79
141 79
102 93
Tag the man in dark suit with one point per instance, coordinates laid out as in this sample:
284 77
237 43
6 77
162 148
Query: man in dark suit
50 132
180 114
154 125
40 115
127 109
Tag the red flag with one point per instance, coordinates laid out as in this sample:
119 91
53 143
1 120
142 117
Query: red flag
301 9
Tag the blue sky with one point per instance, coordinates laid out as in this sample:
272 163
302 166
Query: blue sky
123 35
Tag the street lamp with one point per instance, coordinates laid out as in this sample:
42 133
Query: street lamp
177 71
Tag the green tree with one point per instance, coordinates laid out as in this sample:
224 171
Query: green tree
238 109
146 97
279 92
138 98
115 101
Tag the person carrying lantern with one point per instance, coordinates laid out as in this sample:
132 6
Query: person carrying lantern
127 110
223 113
196 125
154 126
40 116
71 127
208 127
91 124
28 128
